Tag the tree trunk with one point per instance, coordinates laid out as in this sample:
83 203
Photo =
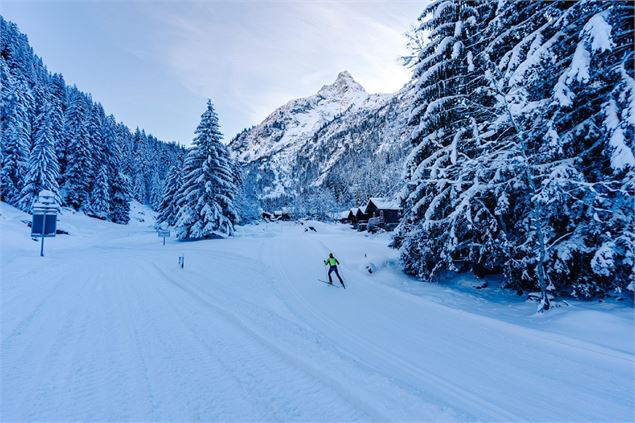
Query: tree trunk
536 219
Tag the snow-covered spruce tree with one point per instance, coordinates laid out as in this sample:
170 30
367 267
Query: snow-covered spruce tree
40 93
94 124
98 202
450 221
206 199
16 137
167 210
43 168
562 83
139 166
156 190
139 187
57 103
119 182
79 168
120 198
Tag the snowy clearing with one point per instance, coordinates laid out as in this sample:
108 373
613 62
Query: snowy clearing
107 327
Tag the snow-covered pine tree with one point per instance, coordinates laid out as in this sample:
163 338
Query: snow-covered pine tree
139 187
98 202
38 85
79 168
206 199
16 139
119 181
449 220
156 190
140 164
95 119
57 103
167 210
559 78
43 168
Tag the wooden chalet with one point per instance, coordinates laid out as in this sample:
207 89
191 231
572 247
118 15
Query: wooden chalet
276 215
360 215
361 218
382 213
346 217
282 214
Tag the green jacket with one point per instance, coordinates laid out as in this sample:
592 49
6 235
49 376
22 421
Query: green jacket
331 261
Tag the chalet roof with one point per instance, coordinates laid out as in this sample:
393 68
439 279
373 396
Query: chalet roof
344 214
284 210
384 203
356 210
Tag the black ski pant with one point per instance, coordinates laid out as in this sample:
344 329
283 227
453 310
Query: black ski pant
334 269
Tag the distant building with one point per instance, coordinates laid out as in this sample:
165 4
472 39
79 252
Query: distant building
346 217
382 213
361 218
281 214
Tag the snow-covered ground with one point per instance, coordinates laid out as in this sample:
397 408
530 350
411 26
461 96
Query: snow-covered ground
107 327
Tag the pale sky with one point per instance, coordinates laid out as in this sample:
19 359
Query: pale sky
153 64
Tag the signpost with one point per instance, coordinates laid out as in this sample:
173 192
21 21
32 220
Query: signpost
163 234
44 224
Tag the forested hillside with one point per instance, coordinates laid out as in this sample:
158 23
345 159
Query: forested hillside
56 137
523 145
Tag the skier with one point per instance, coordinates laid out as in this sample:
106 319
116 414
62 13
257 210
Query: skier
332 262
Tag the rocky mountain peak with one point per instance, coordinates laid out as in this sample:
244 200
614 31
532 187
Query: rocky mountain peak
344 85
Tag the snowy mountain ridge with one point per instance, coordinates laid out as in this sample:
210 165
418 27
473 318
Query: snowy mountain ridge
301 143
290 122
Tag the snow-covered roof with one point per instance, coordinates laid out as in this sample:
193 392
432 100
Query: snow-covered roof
384 203
344 214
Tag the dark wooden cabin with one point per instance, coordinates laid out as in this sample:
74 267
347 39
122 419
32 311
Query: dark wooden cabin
361 219
351 217
346 217
360 215
282 214
383 213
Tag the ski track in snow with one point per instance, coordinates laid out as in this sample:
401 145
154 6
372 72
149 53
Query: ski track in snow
445 392
115 331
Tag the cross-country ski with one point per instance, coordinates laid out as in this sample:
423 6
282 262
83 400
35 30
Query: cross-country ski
329 283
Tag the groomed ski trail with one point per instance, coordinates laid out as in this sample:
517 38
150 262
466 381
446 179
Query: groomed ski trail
472 383
116 331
